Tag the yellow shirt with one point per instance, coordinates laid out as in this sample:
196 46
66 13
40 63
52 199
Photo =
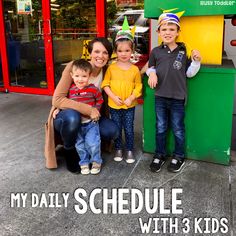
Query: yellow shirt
123 83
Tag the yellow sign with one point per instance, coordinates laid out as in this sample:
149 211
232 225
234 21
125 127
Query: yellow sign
204 33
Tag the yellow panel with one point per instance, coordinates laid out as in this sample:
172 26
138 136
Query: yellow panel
204 33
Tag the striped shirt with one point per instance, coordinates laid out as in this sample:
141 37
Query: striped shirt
90 95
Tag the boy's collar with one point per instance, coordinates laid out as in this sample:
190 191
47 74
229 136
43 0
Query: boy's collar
76 88
181 45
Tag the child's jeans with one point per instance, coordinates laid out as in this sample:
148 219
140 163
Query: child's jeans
124 118
170 111
88 143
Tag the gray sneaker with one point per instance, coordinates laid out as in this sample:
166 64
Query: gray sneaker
118 155
130 157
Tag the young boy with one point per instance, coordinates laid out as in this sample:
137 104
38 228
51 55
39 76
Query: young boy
88 140
168 69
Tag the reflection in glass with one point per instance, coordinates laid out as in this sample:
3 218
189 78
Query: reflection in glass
25 45
73 23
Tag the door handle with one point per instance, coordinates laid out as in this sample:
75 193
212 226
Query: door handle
41 22
40 28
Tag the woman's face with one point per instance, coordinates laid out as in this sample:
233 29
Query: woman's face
99 55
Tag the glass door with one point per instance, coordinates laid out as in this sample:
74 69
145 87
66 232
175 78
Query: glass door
28 46
73 25
1 76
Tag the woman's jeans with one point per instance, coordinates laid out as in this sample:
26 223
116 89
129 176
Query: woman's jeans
68 122
124 118
88 143
170 111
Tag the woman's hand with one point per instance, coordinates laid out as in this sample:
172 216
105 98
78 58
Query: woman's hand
195 55
55 112
117 100
152 80
95 114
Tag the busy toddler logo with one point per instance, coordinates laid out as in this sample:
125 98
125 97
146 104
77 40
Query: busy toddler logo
167 208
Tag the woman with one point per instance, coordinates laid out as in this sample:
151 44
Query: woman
64 128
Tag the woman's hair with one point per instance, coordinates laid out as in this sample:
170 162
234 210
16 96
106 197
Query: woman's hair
123 40
104 41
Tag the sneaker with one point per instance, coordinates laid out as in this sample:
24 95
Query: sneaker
96 168
175 165
157 163
130 157
85 170
118 155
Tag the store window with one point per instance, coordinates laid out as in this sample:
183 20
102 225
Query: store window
25 46
73 25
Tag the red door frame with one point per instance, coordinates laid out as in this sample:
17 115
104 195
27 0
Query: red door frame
3 50
101 18
46 11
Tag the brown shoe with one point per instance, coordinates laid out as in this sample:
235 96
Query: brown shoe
130 157
118 155
72 160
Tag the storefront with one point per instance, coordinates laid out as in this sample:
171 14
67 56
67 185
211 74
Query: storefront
38 37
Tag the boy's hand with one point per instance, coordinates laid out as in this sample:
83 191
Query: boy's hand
152 80
55 112
195 55
117 100
95 114
128 101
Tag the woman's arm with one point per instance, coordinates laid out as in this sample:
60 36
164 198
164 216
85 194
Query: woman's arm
60 99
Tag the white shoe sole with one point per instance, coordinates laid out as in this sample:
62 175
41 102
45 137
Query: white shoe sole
176 171
95 172
130 161
118 159
85 172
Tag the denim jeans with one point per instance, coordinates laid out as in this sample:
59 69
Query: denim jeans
170 111
88 143
67 124
124 118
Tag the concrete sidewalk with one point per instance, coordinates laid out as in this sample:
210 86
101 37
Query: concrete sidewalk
208 190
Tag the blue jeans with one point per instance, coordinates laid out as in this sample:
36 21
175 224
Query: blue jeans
170 111
67 124
88 143
124 118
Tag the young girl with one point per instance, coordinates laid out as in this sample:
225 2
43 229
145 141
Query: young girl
122 83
